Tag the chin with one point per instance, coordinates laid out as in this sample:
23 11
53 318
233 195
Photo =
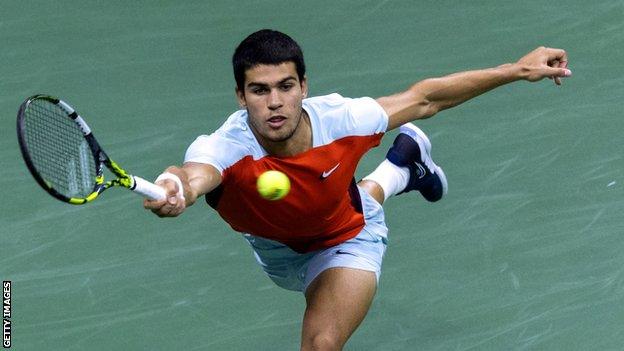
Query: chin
279 136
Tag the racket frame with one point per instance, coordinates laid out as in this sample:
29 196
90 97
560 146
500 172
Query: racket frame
101 159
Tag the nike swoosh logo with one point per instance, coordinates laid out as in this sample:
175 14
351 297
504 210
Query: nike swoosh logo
327 173
421 169
340 252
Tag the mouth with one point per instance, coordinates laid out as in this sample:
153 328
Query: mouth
276 122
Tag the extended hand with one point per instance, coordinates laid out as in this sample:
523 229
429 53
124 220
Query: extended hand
545 63
174 203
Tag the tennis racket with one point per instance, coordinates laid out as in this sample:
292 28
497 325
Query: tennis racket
65 158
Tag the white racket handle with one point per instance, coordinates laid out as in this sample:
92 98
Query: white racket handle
148 189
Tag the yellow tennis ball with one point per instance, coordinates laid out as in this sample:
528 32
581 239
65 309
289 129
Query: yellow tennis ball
273 185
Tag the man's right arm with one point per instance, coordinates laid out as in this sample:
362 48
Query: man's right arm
197 179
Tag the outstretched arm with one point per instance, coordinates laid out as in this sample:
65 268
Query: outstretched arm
430 96
197 179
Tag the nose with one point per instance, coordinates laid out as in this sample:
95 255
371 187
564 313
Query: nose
275 100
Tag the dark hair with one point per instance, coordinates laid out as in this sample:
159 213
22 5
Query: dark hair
267 47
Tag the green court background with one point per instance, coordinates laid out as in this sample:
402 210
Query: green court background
525 252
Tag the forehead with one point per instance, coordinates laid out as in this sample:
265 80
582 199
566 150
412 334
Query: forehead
270 74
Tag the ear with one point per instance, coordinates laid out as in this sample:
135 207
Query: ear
240 96
304 86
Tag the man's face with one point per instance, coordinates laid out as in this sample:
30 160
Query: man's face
272 96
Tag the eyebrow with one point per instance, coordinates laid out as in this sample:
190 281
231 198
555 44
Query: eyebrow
257 84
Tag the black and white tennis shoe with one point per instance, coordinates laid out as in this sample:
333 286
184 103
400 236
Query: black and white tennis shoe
412 149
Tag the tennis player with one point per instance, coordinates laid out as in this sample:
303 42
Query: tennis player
326 238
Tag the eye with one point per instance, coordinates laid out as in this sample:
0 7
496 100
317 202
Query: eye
286 87
259 90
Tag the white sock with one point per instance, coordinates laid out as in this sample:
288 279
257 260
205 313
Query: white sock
390 177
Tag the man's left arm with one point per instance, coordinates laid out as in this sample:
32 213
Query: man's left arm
430 96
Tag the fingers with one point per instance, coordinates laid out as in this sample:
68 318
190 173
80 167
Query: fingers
546 62
557 59
556 64
544 55
553 73
172 206
556 54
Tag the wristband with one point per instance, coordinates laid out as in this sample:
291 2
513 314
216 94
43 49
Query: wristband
176 179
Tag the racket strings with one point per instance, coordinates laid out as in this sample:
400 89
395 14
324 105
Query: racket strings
58 149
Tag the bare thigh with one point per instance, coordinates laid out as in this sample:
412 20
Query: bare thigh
337 302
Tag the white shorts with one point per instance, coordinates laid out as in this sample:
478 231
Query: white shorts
295 271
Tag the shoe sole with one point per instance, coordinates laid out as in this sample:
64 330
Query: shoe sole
427 147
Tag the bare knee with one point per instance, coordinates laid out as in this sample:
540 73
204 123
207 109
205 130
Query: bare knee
322 341
373 189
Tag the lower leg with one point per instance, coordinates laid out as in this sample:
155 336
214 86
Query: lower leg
408 166
386 180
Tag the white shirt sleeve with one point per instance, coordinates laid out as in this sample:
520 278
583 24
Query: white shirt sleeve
207 149
366 115
226 146
335 117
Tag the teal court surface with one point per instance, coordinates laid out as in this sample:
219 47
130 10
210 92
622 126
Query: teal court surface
525 253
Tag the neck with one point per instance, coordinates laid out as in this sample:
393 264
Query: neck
299 142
